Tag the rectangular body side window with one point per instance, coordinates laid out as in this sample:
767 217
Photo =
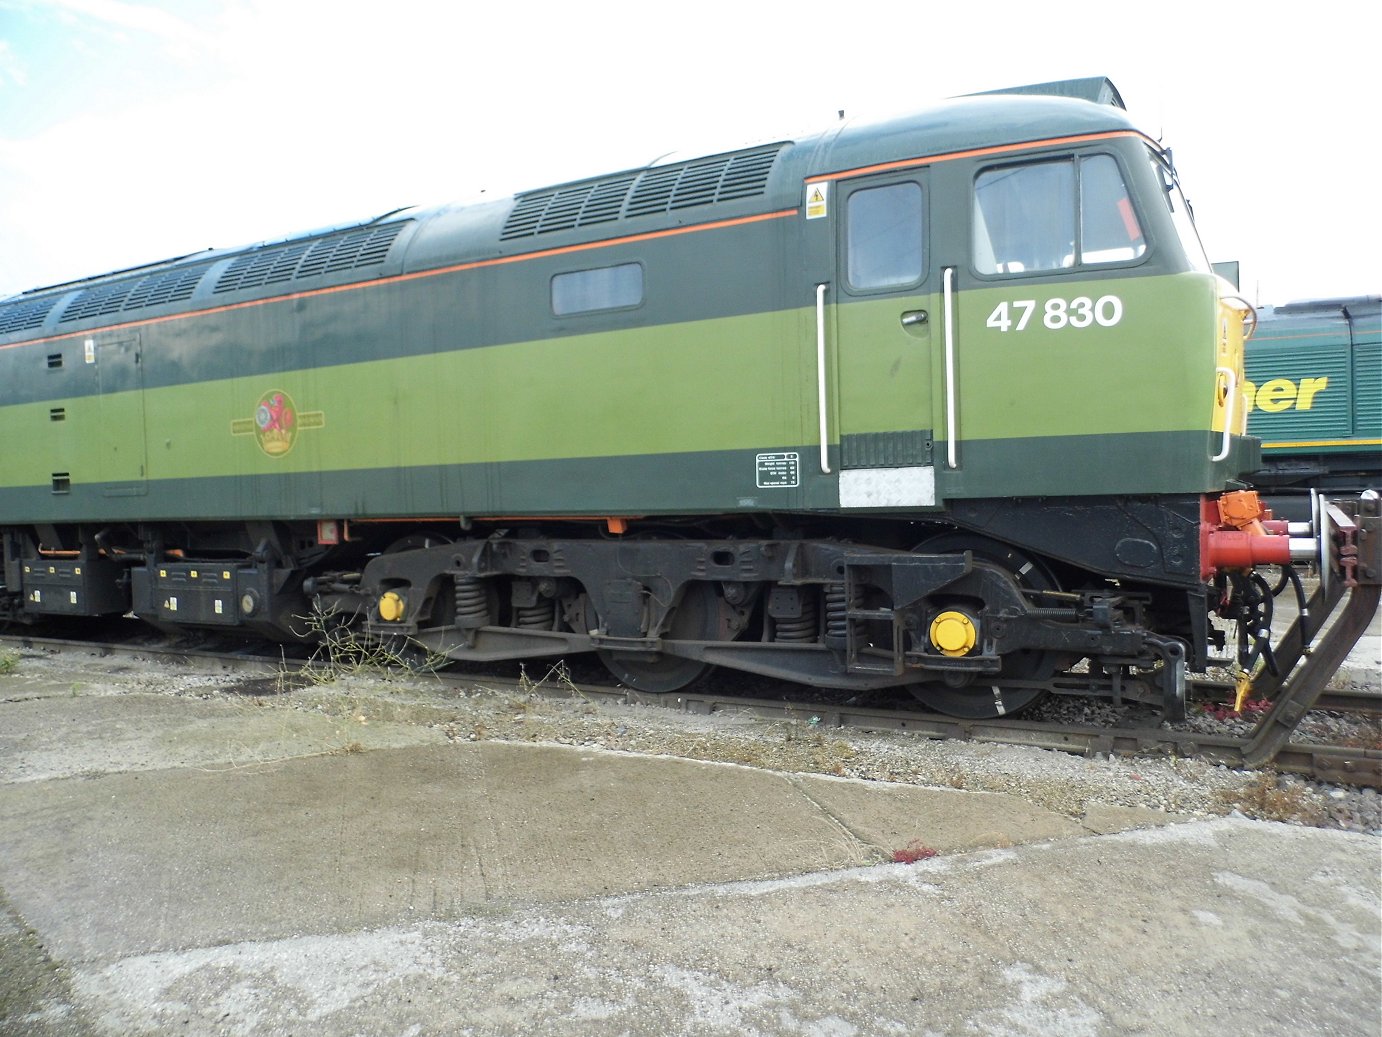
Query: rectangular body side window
604 288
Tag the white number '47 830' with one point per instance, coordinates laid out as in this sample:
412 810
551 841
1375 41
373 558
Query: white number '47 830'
1080 312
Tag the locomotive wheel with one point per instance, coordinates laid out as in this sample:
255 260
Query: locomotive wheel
987 696
696 618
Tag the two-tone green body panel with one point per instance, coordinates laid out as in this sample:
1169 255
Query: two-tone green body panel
1119 404
440 382
455 416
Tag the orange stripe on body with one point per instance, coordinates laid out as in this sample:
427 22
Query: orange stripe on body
398 278
907 163
1001 149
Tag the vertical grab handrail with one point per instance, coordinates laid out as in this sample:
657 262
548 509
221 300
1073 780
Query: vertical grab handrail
951 447
1227 444
820 376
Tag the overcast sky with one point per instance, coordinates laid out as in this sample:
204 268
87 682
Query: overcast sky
132 131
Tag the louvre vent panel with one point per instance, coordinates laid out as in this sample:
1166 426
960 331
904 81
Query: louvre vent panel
605 201
723 178
284 266
563 210
746 175
279 264
346 254
98 301
25 316
525 216
275 265
697 186
318 255
123 296
169 286
653 192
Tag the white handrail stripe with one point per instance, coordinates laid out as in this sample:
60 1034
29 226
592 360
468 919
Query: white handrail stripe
820 377
951 446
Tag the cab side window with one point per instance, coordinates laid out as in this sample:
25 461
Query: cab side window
883 241
1109 231
1044 216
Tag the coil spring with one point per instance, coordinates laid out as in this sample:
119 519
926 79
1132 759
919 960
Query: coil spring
539 616
796 630
837 606
472 602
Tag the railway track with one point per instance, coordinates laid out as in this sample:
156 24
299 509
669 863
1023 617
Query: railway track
1342 700
1145 737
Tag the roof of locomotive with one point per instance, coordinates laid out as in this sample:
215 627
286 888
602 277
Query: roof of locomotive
665 192
675 191
964 124
1354 304
1356 318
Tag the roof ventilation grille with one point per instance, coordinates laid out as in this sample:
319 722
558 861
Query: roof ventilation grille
25 316
276 264
176 285
170 286
98 301
660 189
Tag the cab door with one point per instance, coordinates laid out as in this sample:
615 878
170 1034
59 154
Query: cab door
885 314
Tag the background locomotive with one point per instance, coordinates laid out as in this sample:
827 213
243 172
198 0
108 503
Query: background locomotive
1315 395
944 401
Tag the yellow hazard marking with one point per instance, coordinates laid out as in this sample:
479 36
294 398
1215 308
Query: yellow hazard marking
1242 689
1298 443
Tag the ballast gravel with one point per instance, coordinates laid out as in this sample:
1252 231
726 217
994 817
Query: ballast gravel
551 709
547 707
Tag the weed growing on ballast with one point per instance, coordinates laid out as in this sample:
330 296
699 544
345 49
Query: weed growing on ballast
1271 797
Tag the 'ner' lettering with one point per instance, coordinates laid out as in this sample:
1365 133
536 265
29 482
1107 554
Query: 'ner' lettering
1278 394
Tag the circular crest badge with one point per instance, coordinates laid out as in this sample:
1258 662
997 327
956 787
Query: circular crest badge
276 423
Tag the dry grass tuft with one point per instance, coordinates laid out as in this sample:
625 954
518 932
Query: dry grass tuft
1270 798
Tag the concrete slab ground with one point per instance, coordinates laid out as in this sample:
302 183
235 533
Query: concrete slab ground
174 865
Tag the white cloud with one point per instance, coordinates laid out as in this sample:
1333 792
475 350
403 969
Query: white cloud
120 19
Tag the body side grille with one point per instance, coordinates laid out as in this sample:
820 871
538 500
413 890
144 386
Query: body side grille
25 316
661 189
278 264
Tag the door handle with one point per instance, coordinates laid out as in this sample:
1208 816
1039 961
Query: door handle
912 318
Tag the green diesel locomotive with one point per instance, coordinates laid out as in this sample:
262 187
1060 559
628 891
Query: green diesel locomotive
945 400
1315 395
